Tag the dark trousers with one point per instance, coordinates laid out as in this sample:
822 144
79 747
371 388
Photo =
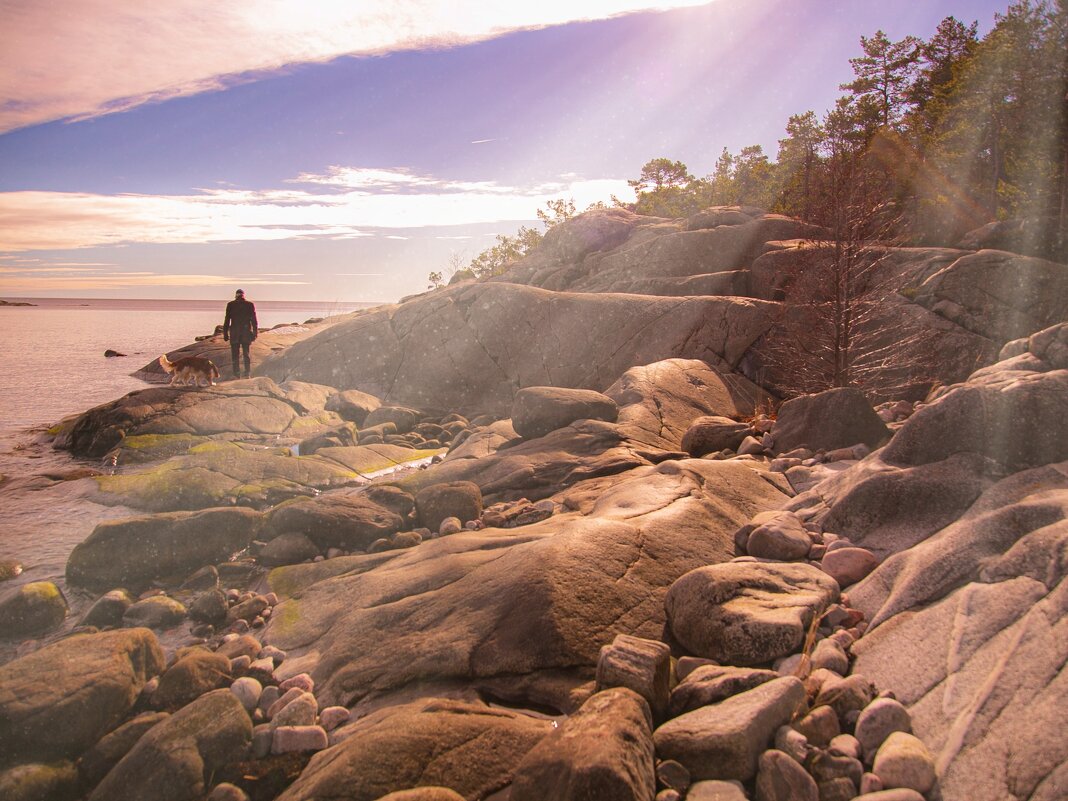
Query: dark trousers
242 344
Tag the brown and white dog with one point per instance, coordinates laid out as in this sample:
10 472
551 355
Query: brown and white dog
190 370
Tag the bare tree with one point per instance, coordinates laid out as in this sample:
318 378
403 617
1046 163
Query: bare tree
841 322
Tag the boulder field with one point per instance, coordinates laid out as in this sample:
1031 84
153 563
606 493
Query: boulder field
540 537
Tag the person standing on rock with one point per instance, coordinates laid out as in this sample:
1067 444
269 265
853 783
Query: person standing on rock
240 329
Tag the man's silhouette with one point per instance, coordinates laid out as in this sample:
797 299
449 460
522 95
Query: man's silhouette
240 328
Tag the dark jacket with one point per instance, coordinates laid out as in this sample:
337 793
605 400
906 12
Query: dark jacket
240 322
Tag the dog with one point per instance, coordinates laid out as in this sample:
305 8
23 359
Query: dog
190 370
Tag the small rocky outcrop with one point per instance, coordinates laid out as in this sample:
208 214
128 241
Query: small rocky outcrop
470 748
176 758
747 613
538 410
58 701
837 418
603 752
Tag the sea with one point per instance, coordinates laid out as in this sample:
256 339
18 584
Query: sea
52 365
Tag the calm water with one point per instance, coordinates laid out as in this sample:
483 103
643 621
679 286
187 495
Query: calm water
52 365
52 356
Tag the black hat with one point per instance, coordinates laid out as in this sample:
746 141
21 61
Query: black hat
240 292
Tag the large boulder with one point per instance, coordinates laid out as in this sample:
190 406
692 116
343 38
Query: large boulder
470 748
710 434
524 611
998 295
490 333
747 613
459 499
724 740
57 701
136 550
353 405
604 752
176 759
538 410
836 418
350 521
31 608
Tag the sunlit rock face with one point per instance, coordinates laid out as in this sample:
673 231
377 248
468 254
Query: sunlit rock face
523 612
472 346
519 612
967 507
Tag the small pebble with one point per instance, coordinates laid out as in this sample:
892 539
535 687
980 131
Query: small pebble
301 680
284 699
265 665
239 664
870 783
227 792
792 743
248 692
239 627
261 740
268 697
333 716
275 654
272 599
288 739
673 775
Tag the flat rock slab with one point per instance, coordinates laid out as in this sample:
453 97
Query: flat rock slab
604 752
135 550
221 474
747 613
494 337
724 740
255 407
501 604
470 748
57 702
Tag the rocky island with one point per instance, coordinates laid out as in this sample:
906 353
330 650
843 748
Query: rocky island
553 534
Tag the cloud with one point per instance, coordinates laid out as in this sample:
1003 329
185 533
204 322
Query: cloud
37 282
40 220
84 58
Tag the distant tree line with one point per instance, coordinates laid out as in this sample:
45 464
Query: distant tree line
943 135
958 130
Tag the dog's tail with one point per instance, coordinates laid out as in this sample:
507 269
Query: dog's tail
166 364
214 371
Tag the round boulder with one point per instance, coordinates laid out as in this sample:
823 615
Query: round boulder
538 410
459 499
778 535
747 613
402 417
711 434
904 761
837 418
353 405
848 565
157 612
34 607
288 549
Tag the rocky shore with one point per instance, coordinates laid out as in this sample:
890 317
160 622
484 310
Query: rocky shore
553 536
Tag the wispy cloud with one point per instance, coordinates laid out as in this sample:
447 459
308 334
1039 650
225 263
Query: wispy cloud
38 220
83 58
38 281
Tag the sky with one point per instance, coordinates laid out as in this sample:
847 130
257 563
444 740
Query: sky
341 151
